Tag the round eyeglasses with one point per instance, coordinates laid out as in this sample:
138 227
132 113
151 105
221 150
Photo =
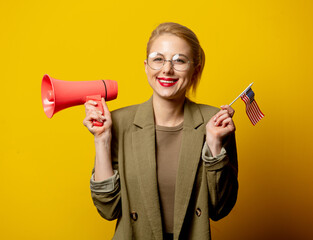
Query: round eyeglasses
179 62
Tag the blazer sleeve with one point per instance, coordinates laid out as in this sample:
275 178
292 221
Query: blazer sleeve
106 195
222 178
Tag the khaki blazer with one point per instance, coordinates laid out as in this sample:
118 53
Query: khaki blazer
203 190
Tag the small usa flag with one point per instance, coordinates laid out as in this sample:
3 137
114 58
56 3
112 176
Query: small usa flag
252 109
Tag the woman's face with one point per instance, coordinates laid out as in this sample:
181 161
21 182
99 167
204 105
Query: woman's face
167 82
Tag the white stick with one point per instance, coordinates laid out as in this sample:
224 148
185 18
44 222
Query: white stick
241 94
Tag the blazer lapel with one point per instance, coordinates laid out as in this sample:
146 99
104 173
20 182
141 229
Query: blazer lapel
143 144
190 155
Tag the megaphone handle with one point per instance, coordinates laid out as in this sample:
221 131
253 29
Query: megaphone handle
97 99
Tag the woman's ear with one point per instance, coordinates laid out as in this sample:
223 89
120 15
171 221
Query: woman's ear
145 63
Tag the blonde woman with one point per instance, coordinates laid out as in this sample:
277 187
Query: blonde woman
165 167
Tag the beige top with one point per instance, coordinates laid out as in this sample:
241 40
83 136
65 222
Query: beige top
168 143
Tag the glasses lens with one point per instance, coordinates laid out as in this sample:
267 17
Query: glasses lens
180 62
155 60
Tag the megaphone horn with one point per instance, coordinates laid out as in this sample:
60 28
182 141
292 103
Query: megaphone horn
57 95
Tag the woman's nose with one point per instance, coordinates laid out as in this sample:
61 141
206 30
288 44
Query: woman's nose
168 66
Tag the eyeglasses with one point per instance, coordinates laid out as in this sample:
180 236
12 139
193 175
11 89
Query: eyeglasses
179 62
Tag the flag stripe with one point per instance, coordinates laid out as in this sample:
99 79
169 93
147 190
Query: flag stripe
254 112
251 114
251 117
252 109
247 102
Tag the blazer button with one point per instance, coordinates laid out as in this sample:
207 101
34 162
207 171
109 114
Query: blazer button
134 215
198 212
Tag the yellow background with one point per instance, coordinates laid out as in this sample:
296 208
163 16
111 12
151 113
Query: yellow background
45 164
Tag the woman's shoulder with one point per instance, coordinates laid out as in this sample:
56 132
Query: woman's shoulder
206 110
205 107
125 110
122 119
124 114
130 113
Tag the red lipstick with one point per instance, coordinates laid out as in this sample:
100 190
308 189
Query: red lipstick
167 82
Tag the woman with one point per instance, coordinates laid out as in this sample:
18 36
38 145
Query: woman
164 167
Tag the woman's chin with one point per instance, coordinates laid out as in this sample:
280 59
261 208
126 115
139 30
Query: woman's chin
170 95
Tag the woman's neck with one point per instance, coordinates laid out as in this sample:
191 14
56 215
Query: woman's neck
169 113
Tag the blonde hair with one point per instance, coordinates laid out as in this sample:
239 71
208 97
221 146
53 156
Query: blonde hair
192 40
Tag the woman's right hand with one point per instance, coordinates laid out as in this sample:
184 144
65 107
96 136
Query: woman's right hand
102 133
103 136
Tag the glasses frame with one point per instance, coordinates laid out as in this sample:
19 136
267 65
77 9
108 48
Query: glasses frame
171 61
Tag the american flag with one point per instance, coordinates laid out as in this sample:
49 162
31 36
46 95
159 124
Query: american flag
252 109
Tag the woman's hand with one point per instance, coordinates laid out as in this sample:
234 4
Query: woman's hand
229 109
219 126
103 136
102 133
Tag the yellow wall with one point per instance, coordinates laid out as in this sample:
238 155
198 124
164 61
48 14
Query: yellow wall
45 163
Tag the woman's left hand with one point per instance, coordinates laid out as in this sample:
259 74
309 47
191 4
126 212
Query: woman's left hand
219 126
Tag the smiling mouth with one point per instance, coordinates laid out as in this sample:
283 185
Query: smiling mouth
167 82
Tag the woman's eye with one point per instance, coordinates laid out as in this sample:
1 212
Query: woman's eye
158 59
180 61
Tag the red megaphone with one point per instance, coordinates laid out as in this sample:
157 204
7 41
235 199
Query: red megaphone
57 95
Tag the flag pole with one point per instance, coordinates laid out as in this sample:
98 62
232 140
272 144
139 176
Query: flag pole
241 94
